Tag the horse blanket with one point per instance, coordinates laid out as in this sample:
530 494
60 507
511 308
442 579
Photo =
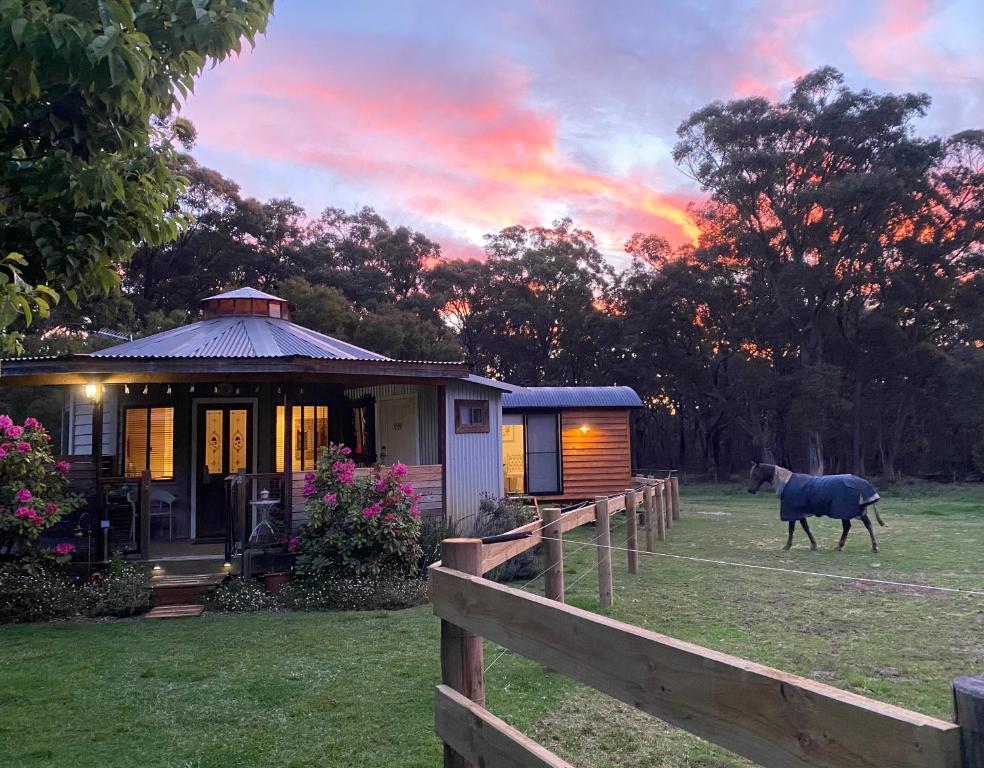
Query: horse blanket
838 496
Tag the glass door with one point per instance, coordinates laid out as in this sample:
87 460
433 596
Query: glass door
225 447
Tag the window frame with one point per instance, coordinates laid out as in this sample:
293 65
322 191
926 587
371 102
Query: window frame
147 458
461 428
279 424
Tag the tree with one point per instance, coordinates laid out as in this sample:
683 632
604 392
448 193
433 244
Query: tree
87 150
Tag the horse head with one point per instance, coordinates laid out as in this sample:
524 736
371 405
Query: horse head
759 473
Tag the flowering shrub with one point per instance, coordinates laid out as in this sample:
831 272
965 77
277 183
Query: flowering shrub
335 592
32 489
497 516
239 595
361 526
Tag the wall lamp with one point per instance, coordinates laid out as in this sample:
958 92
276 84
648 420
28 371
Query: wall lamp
584 429
92 391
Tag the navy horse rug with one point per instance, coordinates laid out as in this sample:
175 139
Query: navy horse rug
838 496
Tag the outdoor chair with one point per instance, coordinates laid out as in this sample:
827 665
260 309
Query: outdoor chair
161 505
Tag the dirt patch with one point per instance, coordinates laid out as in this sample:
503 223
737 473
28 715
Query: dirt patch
864 587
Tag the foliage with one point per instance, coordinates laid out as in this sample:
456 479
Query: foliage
497 516
86 143
32 489
328 591
122 591
44 591
359 526
239 595
431 535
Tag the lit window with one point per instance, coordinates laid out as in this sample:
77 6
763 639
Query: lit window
309 434
148 442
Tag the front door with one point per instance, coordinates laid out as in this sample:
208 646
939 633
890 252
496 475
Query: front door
225 446
396 426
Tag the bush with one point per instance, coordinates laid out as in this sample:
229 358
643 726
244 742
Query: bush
239 595
35 594
358 526
431 536
32 490
497 516
123 591
338 592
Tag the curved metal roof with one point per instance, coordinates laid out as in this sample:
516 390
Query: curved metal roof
240 337
571 397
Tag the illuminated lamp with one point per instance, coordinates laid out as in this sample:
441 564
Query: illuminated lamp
584 429
91 391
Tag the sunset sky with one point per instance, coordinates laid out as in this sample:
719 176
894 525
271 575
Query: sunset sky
461 118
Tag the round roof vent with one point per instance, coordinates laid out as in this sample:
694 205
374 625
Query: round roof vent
247 302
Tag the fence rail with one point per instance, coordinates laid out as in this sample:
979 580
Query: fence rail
776 719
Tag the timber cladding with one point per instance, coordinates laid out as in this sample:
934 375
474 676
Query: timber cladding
597 461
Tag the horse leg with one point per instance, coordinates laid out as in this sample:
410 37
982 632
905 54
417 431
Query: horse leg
871 531
806 528
789 540
847 527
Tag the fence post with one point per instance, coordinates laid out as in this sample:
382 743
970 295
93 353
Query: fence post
968 702
144 497
604 550
647 516
553 549
631 530
675 484
462 656
666 491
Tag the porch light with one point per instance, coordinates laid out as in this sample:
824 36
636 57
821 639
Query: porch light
91 391
156 568
584 429
227 565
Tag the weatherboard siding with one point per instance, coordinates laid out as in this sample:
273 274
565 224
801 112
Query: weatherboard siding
597 462
428 441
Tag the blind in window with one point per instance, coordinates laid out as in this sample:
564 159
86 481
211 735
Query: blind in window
148 442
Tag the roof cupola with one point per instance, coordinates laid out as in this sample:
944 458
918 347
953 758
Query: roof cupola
247 302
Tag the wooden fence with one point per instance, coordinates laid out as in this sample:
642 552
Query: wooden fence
769 716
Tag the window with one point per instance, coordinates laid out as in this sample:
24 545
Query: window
471 416
148 442
531 453
309 434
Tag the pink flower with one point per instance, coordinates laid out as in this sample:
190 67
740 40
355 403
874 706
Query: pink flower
62 466
65 548
23 447
31 423
414 511
344 471
23 495
309 477
46 437
13 431
24 513
3 451
330 499
407 489
345 450
51 509
399 469
293 544
389 518
5 421
372 510
381 485
308 489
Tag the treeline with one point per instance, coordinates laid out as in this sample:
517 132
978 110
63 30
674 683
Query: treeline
829 318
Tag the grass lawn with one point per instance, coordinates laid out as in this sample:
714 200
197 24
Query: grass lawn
356 689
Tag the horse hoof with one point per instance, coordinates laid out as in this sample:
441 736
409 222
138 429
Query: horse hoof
838 549
813 547
875 550
786 548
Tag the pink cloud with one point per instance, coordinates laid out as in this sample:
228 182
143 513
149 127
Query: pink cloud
468 148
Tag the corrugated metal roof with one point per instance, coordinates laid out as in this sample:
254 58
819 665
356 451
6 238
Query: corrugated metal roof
485 381
240 337
244 293
571 397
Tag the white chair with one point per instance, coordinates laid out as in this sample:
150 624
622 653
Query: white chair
161 505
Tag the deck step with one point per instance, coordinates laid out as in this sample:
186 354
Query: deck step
182 589
175 612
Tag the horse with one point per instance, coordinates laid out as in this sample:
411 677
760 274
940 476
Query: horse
843 497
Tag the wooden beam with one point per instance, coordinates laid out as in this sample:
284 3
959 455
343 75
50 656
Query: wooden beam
631 531
774 718
496 554
553 552
968 701
483 739
462 654
604 550
144 498
649 517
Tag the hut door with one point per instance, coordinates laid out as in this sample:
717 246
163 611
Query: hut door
542 453
225 446
396 426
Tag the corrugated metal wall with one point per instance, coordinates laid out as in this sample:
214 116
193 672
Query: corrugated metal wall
474 460
80 423
427 424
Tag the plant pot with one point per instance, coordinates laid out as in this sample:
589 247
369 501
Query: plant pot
276 581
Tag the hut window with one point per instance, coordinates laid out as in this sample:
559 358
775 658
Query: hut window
148 442
471 416
309 434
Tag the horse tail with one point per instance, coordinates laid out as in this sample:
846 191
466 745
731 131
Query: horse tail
874 508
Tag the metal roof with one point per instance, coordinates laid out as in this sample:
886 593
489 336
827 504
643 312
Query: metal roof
244 293
571 397
240 337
